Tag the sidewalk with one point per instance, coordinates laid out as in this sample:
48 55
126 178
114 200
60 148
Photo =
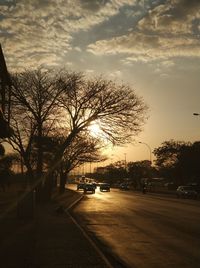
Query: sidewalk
50 240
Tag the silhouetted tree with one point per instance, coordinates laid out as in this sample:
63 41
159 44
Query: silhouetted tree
83 149
178 161
115 172
118 111
167 157
34 114
187 165
139 170
69 103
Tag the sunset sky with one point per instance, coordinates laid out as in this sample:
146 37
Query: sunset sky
152 45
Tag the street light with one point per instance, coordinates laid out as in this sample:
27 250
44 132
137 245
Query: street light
150 153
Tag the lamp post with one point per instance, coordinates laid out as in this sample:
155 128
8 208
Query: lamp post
150 153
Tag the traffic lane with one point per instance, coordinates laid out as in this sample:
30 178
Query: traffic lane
149 207
142 230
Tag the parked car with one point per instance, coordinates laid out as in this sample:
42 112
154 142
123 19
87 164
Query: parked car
89 187
196 187
80 186
104 187
124 186
186 192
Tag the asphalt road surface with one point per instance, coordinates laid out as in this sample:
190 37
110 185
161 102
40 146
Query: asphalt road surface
143 230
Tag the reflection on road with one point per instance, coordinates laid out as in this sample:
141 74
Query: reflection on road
144 230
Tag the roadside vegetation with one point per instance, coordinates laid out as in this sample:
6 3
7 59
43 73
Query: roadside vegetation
176 163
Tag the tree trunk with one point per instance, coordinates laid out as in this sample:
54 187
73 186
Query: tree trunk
57 159
62 182
40 151
58 156
47 189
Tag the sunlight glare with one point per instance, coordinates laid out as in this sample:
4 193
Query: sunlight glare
95 130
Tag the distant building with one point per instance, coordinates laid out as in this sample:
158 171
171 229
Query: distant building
101 170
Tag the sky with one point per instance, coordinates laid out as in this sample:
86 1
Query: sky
152 45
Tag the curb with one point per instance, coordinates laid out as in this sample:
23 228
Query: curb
93 244
73 204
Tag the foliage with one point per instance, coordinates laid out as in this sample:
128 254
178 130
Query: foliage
167 153
133 174
179 161
188 166
139 170
115 172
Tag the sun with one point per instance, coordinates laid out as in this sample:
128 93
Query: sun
95 130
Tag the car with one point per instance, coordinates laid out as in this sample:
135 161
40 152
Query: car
80 186
104 187
185 191
124 187
196 187
89 187
94 184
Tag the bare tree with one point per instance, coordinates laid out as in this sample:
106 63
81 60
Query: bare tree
44 102
34 113
118 111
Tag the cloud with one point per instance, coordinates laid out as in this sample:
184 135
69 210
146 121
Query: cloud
115 75
167 30
167 64
175 16
147 46
43 31
94 5
47 27
78 49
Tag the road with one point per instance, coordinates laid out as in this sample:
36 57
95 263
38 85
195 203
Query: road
143 230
